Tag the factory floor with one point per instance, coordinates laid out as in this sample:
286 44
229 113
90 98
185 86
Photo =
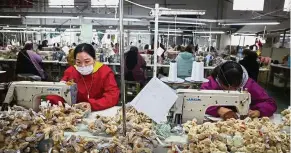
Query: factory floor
281 96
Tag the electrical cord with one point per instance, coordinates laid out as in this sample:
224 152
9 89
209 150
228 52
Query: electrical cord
139 5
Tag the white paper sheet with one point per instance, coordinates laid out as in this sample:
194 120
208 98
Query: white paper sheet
160 51
155 100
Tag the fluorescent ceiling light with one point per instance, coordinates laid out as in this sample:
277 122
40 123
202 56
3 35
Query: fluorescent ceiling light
15 17
61 3
112 19
137 30
13 28
253 23
52 17
245 34
10 31
285 35
173 22
209 32
105 3
166 11
171 30
248 5
287 5
140 33
40 28
49 32
27 28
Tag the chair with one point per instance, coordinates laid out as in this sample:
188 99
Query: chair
132 88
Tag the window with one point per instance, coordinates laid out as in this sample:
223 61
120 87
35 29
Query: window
104 3
248 5
287 5
61 3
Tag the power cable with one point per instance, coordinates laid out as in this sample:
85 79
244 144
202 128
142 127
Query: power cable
146 7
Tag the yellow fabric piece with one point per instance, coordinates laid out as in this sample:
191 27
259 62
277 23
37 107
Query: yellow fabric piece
70 57
97 66
259 52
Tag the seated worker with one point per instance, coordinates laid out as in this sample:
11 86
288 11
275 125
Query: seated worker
232 76
250 63
135 66
96 83
184 63
29 63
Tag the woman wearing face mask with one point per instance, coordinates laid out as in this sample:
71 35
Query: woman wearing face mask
96 83
232 76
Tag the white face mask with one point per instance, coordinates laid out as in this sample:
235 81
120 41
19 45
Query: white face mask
85 70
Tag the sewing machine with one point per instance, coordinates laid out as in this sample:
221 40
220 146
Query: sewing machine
193 103
28 94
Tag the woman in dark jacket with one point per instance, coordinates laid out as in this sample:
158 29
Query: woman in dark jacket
30 63
134 66
250 63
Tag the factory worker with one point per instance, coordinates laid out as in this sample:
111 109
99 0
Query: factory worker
232 76
250 63
135 66
96 84
184 62
30 64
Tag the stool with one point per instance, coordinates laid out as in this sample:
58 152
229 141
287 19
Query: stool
132 88
3 86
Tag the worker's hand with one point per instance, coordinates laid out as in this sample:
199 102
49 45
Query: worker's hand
226 113
229 115
83 106
254 113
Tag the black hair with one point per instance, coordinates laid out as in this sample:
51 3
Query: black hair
179 48
147 46
28 46
250 54
89 49
189 49
196 48
229 74
44 43
131 57
74 44
39 47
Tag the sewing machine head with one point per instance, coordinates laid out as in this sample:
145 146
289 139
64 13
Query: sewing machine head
46 55
193 103
28 94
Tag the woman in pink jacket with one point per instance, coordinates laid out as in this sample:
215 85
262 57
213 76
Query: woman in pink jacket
232 76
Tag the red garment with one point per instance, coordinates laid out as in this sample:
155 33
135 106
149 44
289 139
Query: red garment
104 92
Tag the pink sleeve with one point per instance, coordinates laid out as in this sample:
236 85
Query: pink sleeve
261 101
211 85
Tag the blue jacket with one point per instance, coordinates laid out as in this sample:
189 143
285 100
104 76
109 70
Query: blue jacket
184 64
